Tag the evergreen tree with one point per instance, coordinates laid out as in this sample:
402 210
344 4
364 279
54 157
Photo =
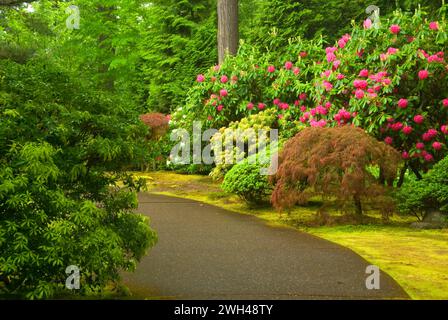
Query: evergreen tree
178 41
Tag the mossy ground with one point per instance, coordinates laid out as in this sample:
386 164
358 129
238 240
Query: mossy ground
416 259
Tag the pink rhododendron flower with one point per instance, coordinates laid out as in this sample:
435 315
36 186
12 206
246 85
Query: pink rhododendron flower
419 119
330 50
321 123
403 103
429 157
296 71
426 137
271 69
280 116
420 146
223 93
200 78
342 43
303 54
395 29
445 103
437 146
387 81
407 130
383 56
340 76
217 68
321 110
220 107
444 129
432 133
328 86
302 96
250 106
288 65
209 118
234 78
326 73
434 25
392 51
405 155
284 106
367 24
336 64
360 84
346 37
276 101
224 79
364 73
331 57
261 106
423 74
388 140
303 108
359 94
397 126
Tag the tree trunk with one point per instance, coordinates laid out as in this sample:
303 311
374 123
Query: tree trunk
358 205
227 28
402 175
416 172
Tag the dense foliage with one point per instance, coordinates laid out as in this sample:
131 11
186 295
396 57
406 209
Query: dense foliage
245 180
391 81
332 162
418 197
66 139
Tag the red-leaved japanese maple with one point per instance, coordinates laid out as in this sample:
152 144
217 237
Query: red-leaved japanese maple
333 162
157 122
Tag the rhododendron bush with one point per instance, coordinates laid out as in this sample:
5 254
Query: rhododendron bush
391 81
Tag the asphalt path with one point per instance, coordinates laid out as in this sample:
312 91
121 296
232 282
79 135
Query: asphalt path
205 252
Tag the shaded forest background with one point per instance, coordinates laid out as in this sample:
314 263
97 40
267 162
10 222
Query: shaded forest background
150 53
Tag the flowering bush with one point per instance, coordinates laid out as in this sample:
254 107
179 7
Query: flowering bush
264 120
391 81
247 84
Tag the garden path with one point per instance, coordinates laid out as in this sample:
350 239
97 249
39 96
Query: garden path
205 252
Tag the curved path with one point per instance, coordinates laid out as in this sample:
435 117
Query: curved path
206 252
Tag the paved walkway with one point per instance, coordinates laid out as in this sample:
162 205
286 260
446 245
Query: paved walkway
206 252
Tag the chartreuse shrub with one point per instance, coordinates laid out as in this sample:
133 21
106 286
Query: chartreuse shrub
63 148
333 162
246 181
418 197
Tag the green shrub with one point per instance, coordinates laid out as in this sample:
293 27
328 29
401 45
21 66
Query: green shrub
63 149
245 180
417 197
